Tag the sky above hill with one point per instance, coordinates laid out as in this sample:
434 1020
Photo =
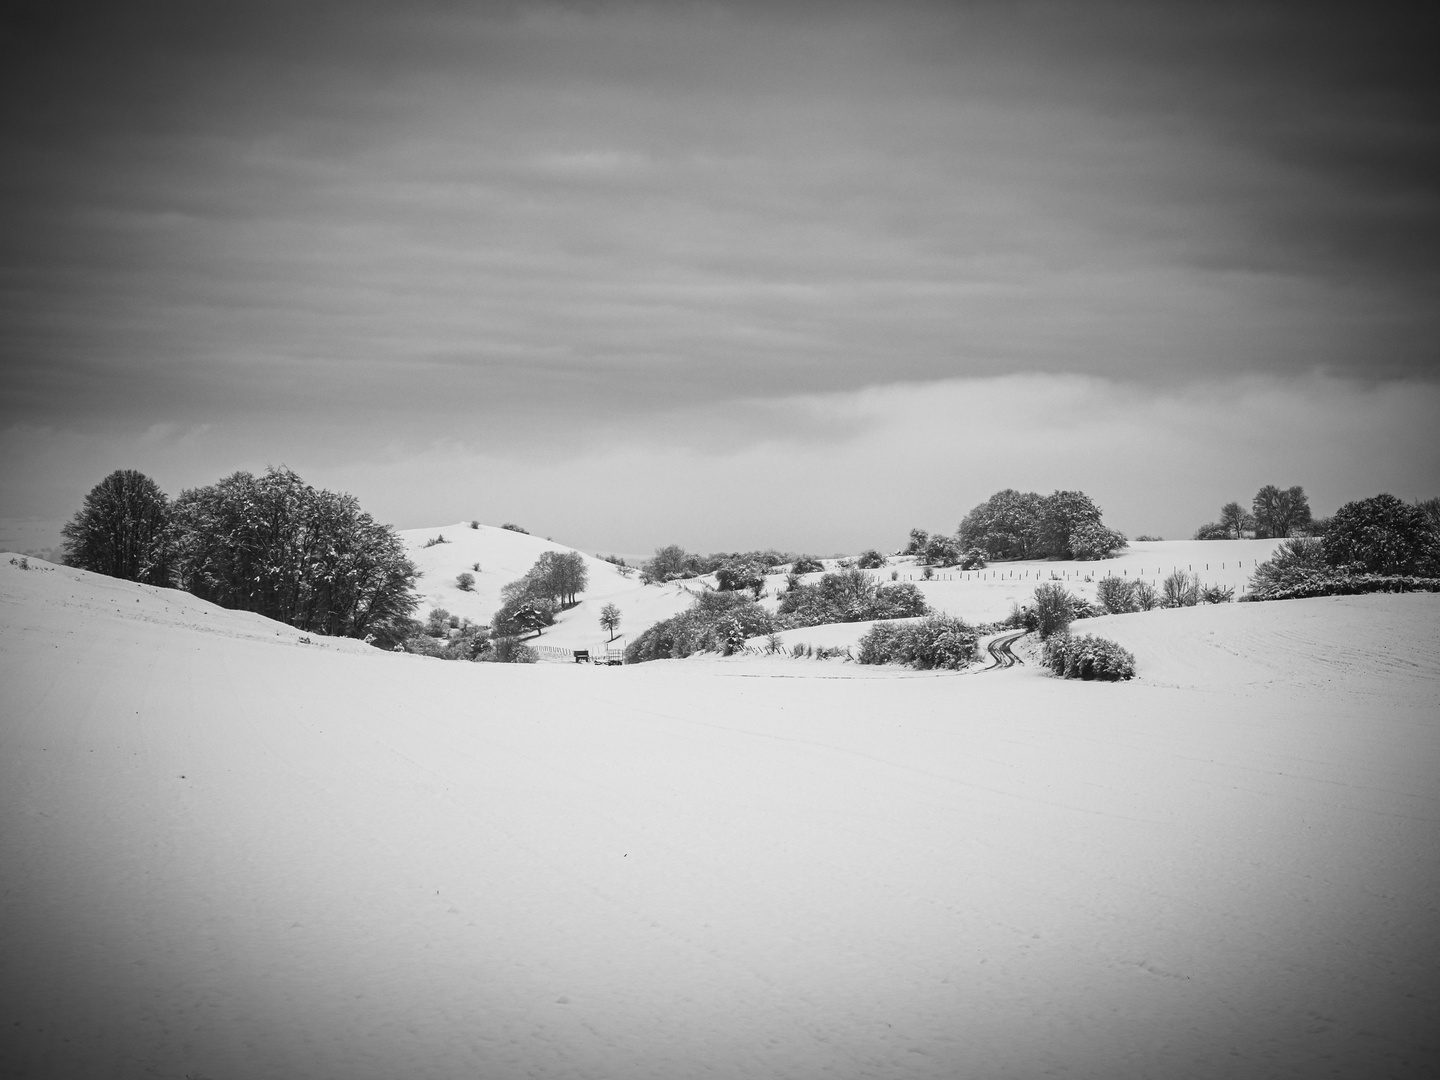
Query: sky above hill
725 274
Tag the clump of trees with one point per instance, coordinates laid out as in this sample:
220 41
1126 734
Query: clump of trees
1370 545
531 603
1024 525
271 544
277 546
1273 513
849 595
673 562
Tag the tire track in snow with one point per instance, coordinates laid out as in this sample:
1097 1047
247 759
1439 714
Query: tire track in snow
999 650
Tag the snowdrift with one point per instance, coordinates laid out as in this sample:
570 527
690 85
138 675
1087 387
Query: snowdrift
228 853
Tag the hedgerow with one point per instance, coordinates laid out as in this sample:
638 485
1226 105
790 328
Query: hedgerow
1312 583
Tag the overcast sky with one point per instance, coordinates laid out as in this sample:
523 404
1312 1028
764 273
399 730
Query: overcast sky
723 274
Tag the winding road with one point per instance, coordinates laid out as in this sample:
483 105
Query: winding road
999 650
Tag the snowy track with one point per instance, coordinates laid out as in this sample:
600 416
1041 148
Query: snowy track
999 650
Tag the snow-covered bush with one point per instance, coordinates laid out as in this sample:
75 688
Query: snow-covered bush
973 559
1217 594
716 622
1116 595
738 576
848 596
465 582
870 560
1381 535
1054 609
1087 657
940 641
1295 562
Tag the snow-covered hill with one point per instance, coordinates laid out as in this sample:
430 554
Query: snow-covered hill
503 556
227 853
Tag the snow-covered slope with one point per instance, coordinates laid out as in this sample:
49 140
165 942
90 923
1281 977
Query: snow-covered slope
503 556
224 854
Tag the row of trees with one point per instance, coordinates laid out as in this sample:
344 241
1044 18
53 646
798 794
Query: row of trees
1273 513
271 544
532 602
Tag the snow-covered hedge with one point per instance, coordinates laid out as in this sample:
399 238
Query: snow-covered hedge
1308 584
941 641
1087 657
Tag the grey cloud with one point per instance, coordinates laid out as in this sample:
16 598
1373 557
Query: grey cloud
387 212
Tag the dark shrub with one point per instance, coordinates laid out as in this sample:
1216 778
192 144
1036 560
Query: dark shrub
465 582
807 564
1087 657
1146 598
1213 531
439 538
870 560
515 528
1217 594
508 650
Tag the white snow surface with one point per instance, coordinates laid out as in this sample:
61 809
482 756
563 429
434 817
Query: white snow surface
226 853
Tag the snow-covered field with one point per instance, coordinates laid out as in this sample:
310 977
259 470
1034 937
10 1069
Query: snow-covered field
225 853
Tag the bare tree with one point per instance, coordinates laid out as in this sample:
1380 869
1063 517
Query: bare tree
1279 513
1236 519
